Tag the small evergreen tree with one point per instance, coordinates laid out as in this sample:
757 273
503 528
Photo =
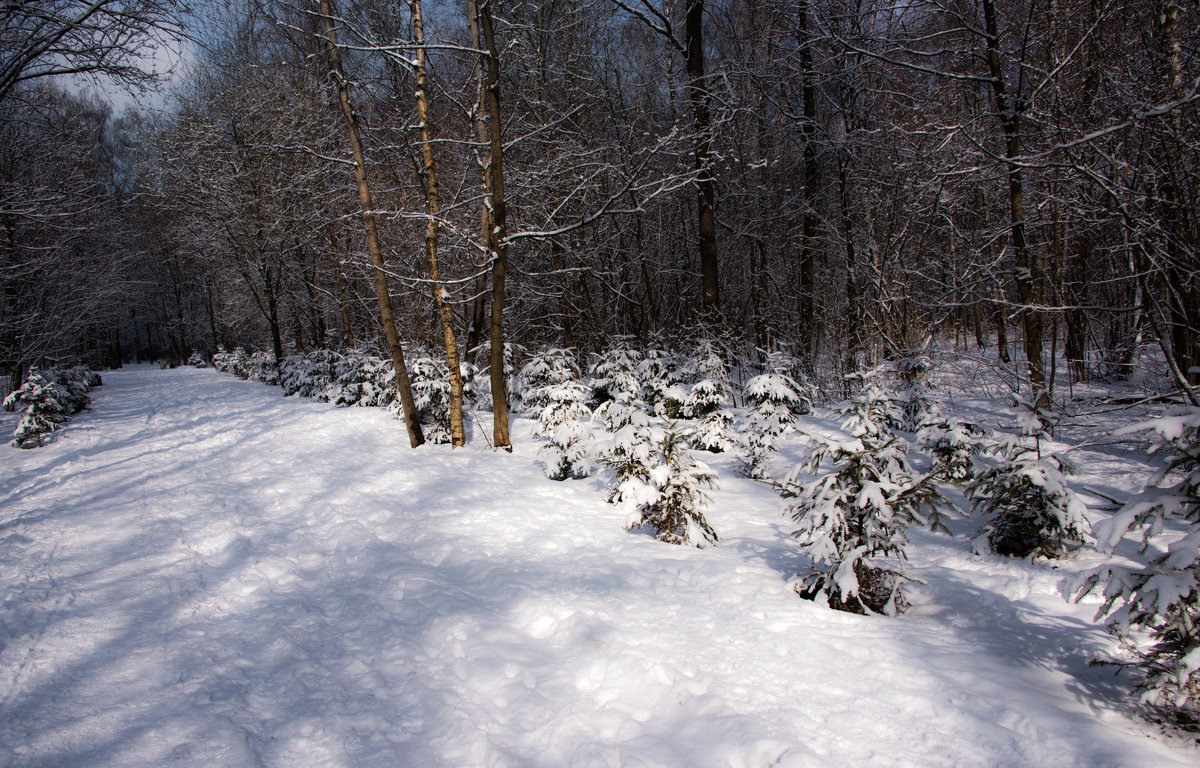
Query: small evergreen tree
776 401
614 376
714 425
708 363
196 360
542 374
659 484
853 521
1030 508
872 411
261 366
47 400
431 394
661 381
707 401
352 374
235 363
953 445
44 407
1162 597
562 419
916 405
311 375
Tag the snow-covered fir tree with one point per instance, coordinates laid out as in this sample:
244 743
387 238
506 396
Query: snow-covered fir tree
953 445
309 375
614 376
916 406
469 373
44 406
709 363
1162 597
659 483
233 363
196 360
853 521
564 418
48 399
708 400
431 394
661 379
261 366
1030 508
543 373
775 401
872 410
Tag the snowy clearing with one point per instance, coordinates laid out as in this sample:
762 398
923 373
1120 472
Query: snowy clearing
200 572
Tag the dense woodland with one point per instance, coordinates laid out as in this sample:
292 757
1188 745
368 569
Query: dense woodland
845 180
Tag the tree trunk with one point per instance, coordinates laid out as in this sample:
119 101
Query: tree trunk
1028 270
808 255
411 421
479 313
458 436
272 314
700 99
497 247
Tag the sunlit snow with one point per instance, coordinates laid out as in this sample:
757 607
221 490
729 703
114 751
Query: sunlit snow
201 572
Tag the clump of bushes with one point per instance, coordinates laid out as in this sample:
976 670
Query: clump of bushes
47 399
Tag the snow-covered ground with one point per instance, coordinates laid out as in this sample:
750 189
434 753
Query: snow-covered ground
200 572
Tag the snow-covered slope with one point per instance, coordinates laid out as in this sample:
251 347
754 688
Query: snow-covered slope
200 572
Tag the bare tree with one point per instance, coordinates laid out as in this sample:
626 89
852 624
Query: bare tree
411 420
111 39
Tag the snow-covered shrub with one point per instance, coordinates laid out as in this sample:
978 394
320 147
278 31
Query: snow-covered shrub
614 377
378 385
662 378
196 360
74 383
776 400
1162 597
234 363
311 375
360 379
616 413
1030 508
659 484
953 445
708 363
431 393
916 406
261 366
44 406
853 521
46 400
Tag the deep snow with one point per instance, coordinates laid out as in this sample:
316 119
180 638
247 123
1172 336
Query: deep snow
201 572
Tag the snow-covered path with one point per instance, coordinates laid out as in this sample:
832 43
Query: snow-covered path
200 572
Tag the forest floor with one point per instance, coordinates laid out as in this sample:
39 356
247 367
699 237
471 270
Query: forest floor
200 572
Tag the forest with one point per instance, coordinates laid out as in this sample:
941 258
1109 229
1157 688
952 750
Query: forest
610 210
845 181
